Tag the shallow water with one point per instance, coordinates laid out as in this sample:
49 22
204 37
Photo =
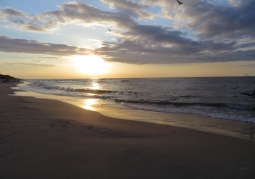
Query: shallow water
213 97
238 129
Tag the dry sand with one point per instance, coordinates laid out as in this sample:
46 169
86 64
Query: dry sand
42 138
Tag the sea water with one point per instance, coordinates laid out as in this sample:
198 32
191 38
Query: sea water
217 97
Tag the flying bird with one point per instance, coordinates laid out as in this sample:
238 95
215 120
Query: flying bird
179 2
109 30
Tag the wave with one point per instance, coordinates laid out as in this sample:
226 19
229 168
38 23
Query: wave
68 89
93 91
131 94
183 104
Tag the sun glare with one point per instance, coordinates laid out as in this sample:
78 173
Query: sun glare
91 65
89 103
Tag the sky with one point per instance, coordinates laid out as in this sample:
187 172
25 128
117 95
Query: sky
47 39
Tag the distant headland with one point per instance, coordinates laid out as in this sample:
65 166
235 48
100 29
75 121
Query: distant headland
8 78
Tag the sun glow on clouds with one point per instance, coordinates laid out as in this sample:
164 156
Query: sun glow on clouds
91 65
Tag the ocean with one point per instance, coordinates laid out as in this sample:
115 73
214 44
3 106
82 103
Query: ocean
217 97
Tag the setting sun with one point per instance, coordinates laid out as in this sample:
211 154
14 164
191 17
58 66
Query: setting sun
91 65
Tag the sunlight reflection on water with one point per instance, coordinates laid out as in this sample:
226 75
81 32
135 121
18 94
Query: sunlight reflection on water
89 103
95 85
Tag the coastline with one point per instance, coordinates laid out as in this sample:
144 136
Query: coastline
233 128
52 139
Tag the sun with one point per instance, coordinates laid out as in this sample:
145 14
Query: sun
91 64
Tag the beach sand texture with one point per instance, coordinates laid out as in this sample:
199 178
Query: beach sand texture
42 138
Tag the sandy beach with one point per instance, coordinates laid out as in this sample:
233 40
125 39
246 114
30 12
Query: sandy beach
41 138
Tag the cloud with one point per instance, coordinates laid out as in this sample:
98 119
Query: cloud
11 12
221 31
49 57
139 53
131 8
247 45
212 20
27 64
203 18
30 26
82 13
71 13
22 20
8 44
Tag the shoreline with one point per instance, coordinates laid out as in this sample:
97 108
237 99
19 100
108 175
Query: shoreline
52 139
233 128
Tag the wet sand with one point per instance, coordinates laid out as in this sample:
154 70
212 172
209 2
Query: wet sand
41 138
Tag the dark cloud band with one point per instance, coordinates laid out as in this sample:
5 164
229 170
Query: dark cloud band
8 44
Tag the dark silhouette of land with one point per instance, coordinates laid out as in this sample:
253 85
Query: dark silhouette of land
8 78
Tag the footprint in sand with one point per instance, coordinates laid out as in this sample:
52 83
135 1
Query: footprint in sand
241 167
60 125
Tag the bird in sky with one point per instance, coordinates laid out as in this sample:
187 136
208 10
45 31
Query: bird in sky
109 30
179 2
